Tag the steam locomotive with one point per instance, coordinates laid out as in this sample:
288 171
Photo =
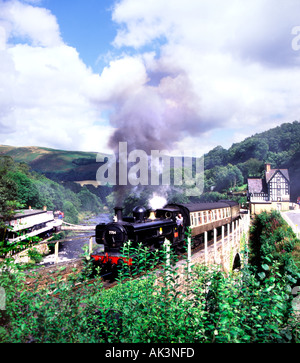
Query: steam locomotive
152 228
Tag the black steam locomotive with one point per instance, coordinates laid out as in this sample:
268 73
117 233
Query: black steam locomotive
152 228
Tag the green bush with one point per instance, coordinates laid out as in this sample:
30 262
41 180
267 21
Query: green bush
34 255
203 306
272 241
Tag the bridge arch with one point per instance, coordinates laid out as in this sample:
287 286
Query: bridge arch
237 262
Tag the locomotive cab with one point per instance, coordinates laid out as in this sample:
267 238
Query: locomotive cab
167 213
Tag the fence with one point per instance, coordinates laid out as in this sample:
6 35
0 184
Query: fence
221 250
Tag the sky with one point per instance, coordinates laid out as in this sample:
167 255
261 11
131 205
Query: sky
173 74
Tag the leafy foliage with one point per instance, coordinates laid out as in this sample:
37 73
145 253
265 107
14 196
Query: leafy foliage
203 306
272 242
279 146
21 187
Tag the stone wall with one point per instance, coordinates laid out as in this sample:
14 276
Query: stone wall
23 257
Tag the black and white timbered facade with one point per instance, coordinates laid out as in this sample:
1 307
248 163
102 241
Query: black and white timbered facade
274 188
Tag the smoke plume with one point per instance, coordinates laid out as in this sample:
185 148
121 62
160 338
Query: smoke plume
155 117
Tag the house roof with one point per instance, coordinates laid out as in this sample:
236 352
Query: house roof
272 172
257 186
260 185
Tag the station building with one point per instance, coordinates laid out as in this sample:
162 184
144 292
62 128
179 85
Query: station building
270 193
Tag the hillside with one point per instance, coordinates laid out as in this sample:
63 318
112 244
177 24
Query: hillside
59 165
224 168
279 146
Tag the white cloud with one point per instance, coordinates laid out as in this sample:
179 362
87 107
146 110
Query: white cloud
122 76
236 54
191 67
31 23
43 98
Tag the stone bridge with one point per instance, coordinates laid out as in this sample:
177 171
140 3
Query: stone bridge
226 248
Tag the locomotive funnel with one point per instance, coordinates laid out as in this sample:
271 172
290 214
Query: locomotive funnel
119 213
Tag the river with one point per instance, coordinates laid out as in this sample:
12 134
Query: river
73 249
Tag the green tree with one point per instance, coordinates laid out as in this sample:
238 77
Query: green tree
252 147
216 157
227 177
8 190
251 168
27 193
89 201
70 211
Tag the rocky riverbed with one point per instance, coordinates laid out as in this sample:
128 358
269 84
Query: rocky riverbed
72 250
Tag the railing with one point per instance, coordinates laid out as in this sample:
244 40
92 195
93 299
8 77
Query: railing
259 197
75 227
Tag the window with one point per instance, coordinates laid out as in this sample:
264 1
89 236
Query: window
205 217
192 219
195 219
199 218
209 216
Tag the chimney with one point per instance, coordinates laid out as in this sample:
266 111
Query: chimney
119 213
268 167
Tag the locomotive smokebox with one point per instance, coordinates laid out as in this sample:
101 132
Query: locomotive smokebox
139 213
119 213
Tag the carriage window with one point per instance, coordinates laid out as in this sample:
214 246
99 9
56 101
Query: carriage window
221 213
192 220
199 218
195 219
205 217
209 216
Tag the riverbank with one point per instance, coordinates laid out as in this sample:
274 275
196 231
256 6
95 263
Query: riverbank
72 250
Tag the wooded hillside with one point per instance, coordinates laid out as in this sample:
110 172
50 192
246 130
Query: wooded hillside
279 146
225 169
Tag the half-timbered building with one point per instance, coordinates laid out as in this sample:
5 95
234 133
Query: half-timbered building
271 192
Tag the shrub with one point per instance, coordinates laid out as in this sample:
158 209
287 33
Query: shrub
272 241
205 305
